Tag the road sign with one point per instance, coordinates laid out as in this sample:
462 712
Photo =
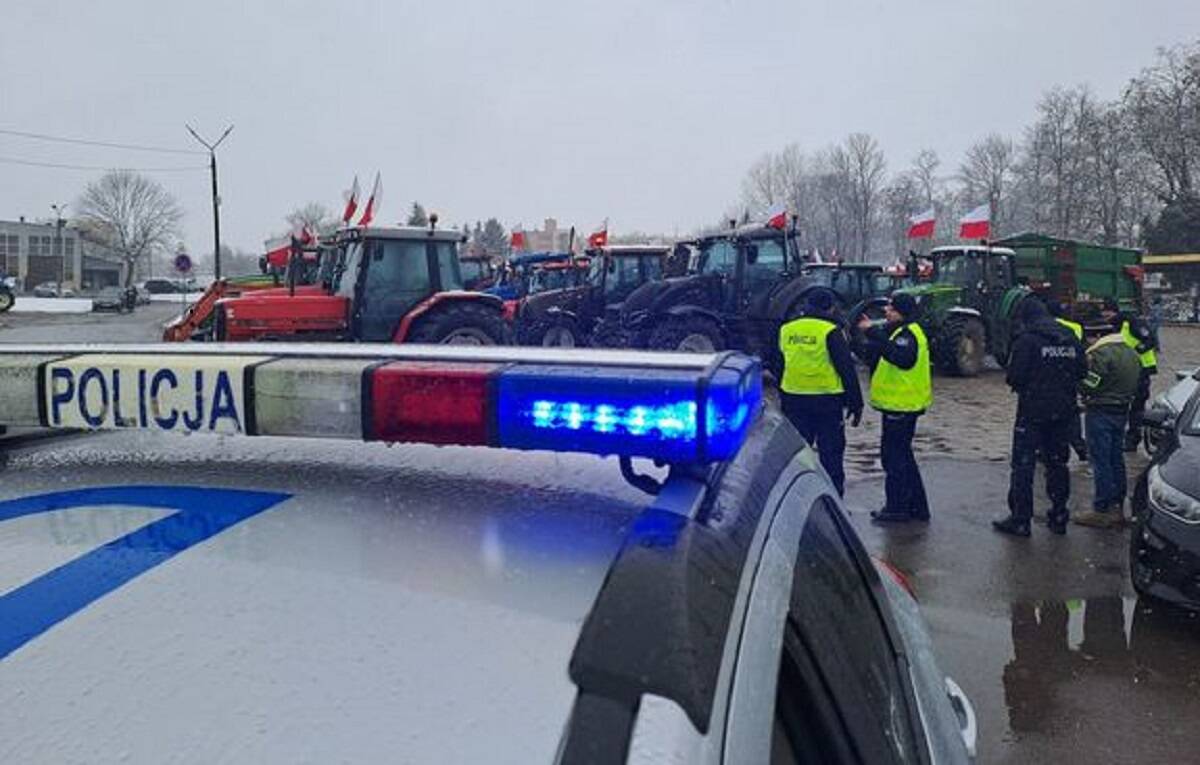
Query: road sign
183 264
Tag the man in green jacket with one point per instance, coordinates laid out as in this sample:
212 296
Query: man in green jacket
1109 388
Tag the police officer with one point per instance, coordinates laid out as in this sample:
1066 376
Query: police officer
1059 312
819 388
901 389
1044 370
1138 337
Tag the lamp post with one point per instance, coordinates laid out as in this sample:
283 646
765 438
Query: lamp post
216 198
58 243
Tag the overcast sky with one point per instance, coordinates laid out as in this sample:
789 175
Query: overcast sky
647 113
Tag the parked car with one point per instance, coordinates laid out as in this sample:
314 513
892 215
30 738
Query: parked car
110 299
1164 556
163 286
143 296
1171 403
52 290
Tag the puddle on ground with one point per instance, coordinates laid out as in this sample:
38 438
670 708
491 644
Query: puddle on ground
1062 646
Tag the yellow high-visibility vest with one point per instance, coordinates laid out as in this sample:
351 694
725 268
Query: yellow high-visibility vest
904 390
1148 358
807 368
1073 326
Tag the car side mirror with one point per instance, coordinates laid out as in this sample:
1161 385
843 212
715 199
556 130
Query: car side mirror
1158 418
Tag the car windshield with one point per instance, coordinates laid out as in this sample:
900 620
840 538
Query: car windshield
821 276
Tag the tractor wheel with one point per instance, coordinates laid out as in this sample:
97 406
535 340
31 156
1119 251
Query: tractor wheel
561 334
690 334
960 346
6 300
461 323
608 334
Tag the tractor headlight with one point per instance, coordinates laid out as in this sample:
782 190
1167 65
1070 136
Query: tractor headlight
1168 499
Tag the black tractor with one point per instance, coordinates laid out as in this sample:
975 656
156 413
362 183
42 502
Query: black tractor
568 317
742 283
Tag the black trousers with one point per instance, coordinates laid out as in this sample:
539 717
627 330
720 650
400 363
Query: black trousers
822 426
1137 411
1051 440
903 486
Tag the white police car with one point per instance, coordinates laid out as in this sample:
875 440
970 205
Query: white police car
296 598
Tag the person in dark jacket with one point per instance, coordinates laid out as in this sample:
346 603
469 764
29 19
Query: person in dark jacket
1044 370
819 386
1061 315
901 389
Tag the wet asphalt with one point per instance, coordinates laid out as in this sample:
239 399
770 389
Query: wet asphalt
1063 662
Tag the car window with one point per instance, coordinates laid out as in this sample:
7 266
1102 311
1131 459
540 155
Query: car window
836 615
449 270
624 278
719 257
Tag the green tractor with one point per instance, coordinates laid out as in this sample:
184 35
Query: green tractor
969 307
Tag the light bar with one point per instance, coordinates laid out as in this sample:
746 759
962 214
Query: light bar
672 407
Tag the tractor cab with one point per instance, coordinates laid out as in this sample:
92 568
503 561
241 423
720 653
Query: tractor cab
740 285
569 315
382 285
968 307
513 281
558 275
477 271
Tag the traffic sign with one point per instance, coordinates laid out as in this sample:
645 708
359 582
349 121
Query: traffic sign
183 264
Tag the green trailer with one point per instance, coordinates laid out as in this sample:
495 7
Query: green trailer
1079 274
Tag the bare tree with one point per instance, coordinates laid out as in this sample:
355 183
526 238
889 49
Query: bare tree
314 216
133 214
987 175
1164 104
860 161
924 174
901 198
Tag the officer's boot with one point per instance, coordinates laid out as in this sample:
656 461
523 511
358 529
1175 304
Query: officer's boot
1017 527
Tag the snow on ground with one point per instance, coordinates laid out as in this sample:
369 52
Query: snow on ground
52 305
190 297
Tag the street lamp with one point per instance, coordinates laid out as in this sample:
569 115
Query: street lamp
58 243
216 199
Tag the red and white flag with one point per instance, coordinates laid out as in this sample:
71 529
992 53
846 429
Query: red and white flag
777 217
599 238
372 203
517 240
977 223
351 202
920 226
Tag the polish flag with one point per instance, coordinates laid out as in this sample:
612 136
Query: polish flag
599 238
920 226
777 217
372 203
976 224
517 241
351 202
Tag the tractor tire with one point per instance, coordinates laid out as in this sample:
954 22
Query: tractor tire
6 300
689 334
460 323
563 333
608 334
960 346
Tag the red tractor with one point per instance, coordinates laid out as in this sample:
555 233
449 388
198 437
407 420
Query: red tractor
399 285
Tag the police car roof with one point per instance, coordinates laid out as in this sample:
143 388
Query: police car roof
419 604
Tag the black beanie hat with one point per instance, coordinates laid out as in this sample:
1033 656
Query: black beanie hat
820 300
905 304
1032 309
